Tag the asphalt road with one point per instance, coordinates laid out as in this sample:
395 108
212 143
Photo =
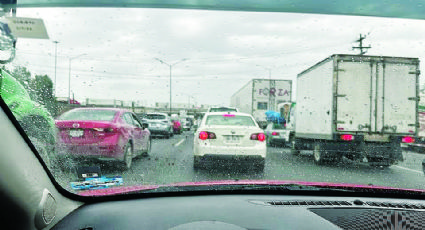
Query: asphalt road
171 161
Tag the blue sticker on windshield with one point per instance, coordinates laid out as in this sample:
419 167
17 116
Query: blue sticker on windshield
97 183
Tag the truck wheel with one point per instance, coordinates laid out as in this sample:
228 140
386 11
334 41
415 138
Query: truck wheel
319 154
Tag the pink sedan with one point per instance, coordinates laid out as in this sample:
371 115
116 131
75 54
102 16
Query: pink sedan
103 133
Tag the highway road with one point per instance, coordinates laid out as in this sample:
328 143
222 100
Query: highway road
171 161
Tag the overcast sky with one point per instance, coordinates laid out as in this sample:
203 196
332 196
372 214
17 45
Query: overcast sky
224 50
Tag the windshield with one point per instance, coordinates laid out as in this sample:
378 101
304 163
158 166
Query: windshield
230 120
222 109
343 92
90 115
155 117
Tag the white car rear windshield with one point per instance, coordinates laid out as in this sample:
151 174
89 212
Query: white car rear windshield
230 120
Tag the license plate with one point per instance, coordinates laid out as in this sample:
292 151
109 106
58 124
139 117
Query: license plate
233 139
376 138
76 132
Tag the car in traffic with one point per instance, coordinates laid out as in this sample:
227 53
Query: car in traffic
231 136
277 134
160 124
177 126
187 123
103 134
222 109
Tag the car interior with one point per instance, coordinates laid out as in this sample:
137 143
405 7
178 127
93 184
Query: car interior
32 198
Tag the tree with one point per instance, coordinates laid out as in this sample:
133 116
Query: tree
23 75
42 88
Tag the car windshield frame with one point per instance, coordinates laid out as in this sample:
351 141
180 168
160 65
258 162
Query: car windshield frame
185 6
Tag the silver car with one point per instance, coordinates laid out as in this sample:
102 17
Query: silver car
159 124
278 134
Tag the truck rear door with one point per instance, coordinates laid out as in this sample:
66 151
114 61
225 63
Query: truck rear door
353 96
376 96
399 98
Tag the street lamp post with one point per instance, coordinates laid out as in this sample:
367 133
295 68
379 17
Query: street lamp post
69 77
171 66
56 58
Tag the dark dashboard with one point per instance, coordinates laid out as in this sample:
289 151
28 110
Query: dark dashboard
249 212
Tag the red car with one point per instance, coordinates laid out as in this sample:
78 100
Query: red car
177 127
103 133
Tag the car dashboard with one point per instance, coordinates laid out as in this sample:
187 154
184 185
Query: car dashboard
248 211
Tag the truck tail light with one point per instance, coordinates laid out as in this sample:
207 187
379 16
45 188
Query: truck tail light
408 139
258 136
347 137
203 135
275 134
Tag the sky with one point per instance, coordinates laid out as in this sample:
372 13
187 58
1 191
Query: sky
114 52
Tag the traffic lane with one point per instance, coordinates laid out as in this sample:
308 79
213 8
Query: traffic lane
412 161
168 162
171 160
281 164
159 159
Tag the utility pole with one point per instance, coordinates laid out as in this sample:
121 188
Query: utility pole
56 57
171 66
361 47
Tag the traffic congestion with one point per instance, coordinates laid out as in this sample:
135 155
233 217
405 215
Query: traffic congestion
148 116
212 114
218 145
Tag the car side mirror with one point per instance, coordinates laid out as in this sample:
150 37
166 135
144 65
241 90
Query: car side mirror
145 125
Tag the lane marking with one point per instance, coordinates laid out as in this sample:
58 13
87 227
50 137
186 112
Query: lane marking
412 170
179 143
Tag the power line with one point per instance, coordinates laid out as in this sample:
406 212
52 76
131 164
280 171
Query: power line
194 60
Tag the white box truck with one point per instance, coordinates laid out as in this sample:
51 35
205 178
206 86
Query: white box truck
260 95
359 107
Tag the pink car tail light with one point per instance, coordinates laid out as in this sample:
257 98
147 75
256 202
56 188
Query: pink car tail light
408 139
228 115
275 134
258 136
207 135
347 137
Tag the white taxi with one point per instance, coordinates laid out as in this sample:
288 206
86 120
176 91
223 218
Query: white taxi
229 136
